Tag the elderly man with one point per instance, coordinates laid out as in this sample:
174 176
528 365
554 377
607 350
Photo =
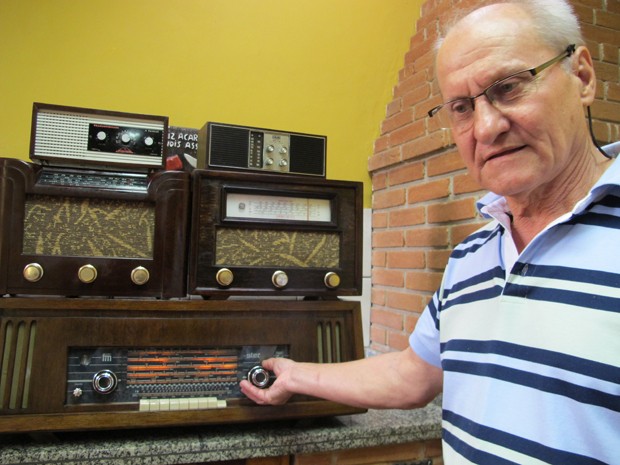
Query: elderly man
523 336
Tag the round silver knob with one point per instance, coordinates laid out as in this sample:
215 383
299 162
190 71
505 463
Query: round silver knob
87 274
104 382
140 275
148 141
101 135
259 377
125 138
33 272
279 279
77 392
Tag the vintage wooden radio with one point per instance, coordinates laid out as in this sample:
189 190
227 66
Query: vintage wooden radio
92 233
85 364
260 234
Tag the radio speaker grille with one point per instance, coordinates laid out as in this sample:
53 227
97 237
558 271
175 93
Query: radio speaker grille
18 339
329 341
85 227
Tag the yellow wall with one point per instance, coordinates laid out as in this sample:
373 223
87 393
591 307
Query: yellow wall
315 66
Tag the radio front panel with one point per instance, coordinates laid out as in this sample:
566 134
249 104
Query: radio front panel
78 364
84 241
252 234
83 137
268 151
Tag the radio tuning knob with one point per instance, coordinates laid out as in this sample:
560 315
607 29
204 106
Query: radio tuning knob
101 135
283 163
270 148
332 280
148 141
33 272
77 392
87 274
279 279
104 382
140 275
224 277
260 377
125 138
283 150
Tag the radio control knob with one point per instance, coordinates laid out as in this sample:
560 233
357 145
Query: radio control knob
104 382
269 161
125 138
77 392
260 377
148 141
87 274
279 279
283 163
101 135
270 148
283 150
140 275
332 280
33 272
224 277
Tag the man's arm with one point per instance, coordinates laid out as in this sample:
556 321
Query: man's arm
394 380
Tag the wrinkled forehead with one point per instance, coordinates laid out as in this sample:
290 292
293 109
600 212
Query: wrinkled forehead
487 45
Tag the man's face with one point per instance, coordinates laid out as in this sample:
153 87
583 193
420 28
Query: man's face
528 146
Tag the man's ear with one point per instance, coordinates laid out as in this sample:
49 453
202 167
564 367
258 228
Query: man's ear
584 70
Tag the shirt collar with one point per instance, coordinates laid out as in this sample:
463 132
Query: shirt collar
495 206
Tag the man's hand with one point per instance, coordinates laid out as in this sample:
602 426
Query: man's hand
277 393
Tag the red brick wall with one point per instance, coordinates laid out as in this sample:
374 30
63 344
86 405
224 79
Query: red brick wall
423 201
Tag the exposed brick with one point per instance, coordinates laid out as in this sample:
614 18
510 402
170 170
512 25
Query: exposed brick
379 181
387 319
407 217
393 107
379 220
398 341
452 211
445 163
411 319
407 133
379 258
427 237
393 278
405 259
381 160
382 144
398 120
402 301
423 281
424 145
378 336
428 191
464 184
606 110
389 198
437 259
387 238
607 19
377 296
406 173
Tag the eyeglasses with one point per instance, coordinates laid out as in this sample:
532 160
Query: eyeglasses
458 114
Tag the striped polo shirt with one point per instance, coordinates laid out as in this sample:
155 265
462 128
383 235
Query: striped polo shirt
529 343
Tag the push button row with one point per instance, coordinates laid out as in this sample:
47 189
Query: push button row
187 403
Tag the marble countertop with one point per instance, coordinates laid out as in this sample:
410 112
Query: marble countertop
230 442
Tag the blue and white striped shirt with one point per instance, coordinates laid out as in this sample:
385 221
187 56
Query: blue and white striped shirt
530 343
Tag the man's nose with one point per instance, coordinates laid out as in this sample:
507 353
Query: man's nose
489 121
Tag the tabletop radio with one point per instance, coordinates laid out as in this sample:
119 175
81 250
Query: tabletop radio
80 364
231 147
90 138
256 234
92 233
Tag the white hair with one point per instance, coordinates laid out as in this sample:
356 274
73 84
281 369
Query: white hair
554 20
